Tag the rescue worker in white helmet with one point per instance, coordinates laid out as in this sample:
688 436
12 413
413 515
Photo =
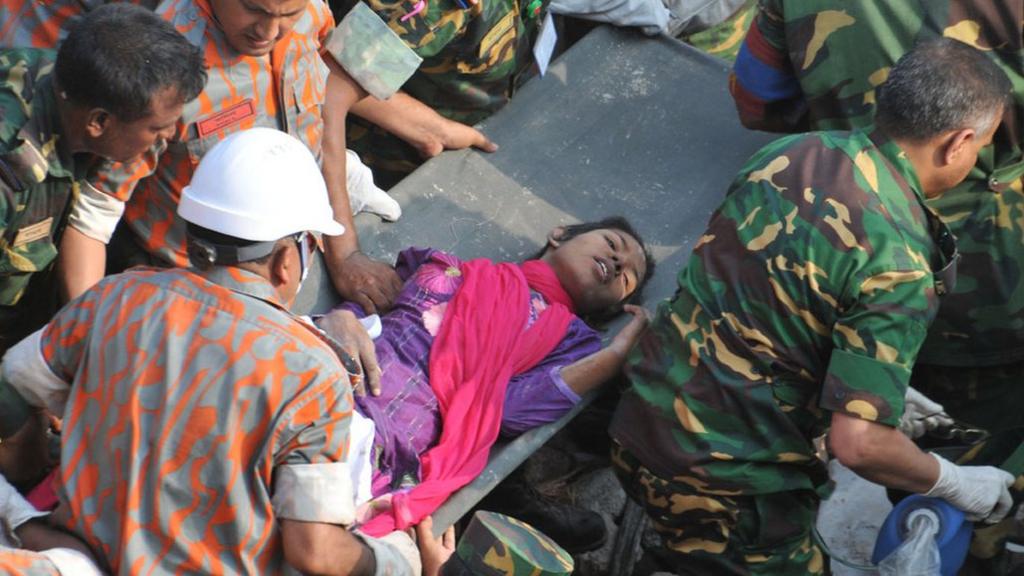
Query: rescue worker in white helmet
205 426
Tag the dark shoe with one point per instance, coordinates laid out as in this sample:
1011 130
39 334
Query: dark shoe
576 529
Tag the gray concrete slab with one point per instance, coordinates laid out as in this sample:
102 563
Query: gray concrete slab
621 124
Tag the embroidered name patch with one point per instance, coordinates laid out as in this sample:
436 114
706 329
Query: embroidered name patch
221 120
33 232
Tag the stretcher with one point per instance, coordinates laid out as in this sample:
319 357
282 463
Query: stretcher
621 124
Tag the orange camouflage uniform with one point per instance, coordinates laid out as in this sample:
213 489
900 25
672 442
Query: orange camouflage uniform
198 412
285 92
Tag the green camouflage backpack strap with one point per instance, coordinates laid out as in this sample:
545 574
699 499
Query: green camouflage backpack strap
497 545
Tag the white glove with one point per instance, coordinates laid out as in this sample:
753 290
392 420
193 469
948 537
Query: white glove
14 511
363 194
922 414
982 492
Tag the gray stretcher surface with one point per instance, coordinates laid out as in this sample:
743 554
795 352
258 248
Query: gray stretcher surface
621 124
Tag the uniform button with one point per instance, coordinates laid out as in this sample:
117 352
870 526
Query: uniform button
840 394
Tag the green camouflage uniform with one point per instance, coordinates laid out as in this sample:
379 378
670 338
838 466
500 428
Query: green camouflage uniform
471 58
496 545
809 293
38 184
839 51
724 40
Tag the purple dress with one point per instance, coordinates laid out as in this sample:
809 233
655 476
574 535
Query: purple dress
406 414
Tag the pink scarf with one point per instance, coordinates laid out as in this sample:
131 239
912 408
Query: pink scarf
480 346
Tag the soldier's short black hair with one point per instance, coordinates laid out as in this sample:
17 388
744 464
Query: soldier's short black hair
941 85
120 55
610 223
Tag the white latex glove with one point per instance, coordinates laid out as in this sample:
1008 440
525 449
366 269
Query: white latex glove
363 194
14 511
922 414
982 492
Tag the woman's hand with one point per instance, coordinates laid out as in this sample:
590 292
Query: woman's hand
624 341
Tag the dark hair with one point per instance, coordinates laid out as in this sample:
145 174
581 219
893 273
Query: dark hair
610 223
941 85
197 232
120 55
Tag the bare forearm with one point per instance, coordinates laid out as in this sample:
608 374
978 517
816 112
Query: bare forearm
342 93
591 371
882 454
38 535
327 549
403 116
81 263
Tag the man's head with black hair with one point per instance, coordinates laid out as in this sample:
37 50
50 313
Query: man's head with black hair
942 102
123 75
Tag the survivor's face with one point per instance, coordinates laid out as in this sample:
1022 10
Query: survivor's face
126 141
599 269
253 26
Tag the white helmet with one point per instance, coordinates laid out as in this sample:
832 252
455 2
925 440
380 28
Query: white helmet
259 185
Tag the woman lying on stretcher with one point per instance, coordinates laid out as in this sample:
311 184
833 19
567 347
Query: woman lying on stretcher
471 349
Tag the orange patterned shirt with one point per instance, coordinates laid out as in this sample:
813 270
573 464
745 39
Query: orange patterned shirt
198 412
285 91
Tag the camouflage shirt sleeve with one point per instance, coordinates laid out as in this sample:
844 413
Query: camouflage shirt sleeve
763 84
876 342
310 461
371 52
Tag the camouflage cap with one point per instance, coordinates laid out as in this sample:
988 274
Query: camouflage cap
497 545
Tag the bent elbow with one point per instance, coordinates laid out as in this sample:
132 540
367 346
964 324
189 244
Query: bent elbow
854 443
311 564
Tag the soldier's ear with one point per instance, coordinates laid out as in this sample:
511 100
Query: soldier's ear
97 121
956 144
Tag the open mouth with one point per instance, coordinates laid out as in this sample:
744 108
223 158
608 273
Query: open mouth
602 269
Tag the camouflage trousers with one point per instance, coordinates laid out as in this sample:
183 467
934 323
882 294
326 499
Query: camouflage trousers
724 40
706 534
389 157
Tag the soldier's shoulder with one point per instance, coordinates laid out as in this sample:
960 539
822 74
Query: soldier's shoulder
21 69
23 72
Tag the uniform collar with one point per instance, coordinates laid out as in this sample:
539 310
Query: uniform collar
42 144
897 157
243 282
